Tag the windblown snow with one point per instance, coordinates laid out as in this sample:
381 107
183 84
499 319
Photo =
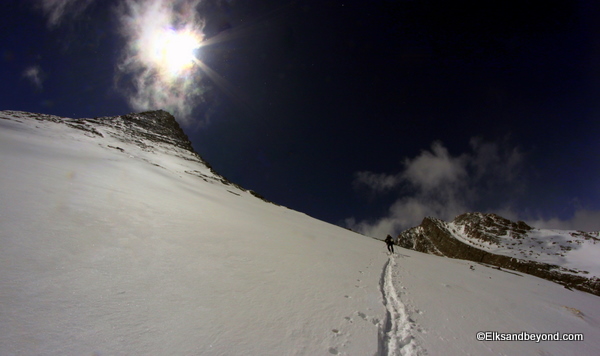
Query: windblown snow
116 245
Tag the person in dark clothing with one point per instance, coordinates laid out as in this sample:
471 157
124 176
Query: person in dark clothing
390 243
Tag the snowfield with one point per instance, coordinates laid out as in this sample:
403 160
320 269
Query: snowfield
113 245
573 250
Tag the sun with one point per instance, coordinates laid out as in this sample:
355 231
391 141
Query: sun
173 52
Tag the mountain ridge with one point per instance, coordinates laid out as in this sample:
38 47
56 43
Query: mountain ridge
157 126
493 240
147 130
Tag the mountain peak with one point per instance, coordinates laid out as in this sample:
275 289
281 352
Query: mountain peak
159 125
493 240
151 131
490 226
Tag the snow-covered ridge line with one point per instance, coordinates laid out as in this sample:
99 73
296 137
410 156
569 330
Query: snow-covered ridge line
566 257
151 131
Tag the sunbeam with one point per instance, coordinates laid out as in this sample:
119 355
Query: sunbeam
224 85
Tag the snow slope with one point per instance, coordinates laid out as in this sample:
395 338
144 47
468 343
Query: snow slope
116 246
573 250
448 301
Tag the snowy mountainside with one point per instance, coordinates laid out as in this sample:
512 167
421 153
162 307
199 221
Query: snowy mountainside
567 257
117 243
147 134
573 250
117 239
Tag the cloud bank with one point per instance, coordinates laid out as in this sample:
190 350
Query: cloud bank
490 178
584 219
436 183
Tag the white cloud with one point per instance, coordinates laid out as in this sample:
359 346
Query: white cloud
376 182
437 184
431 170
35 75
585 220
441 185
427 172
150 88
142 75
56 10
493 159
404 213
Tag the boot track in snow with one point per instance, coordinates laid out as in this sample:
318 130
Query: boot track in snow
396 331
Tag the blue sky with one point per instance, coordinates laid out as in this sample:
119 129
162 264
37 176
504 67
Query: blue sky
369 115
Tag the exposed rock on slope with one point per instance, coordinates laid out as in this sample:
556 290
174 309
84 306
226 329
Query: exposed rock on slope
491 239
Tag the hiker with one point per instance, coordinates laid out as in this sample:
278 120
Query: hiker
390 243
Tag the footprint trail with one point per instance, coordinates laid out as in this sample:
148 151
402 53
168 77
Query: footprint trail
396 331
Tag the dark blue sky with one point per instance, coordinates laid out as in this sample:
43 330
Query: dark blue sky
369 114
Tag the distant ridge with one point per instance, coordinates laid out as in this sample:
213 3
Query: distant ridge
493 240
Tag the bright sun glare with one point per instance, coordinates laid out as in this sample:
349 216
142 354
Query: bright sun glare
173 51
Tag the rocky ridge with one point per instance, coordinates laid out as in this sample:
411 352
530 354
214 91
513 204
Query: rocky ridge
149 130
493 240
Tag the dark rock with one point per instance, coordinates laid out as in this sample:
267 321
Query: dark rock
159 126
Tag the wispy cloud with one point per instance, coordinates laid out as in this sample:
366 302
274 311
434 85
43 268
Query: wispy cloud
35 75
148 76
57 10
140 77
377 182
435 169
436 183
